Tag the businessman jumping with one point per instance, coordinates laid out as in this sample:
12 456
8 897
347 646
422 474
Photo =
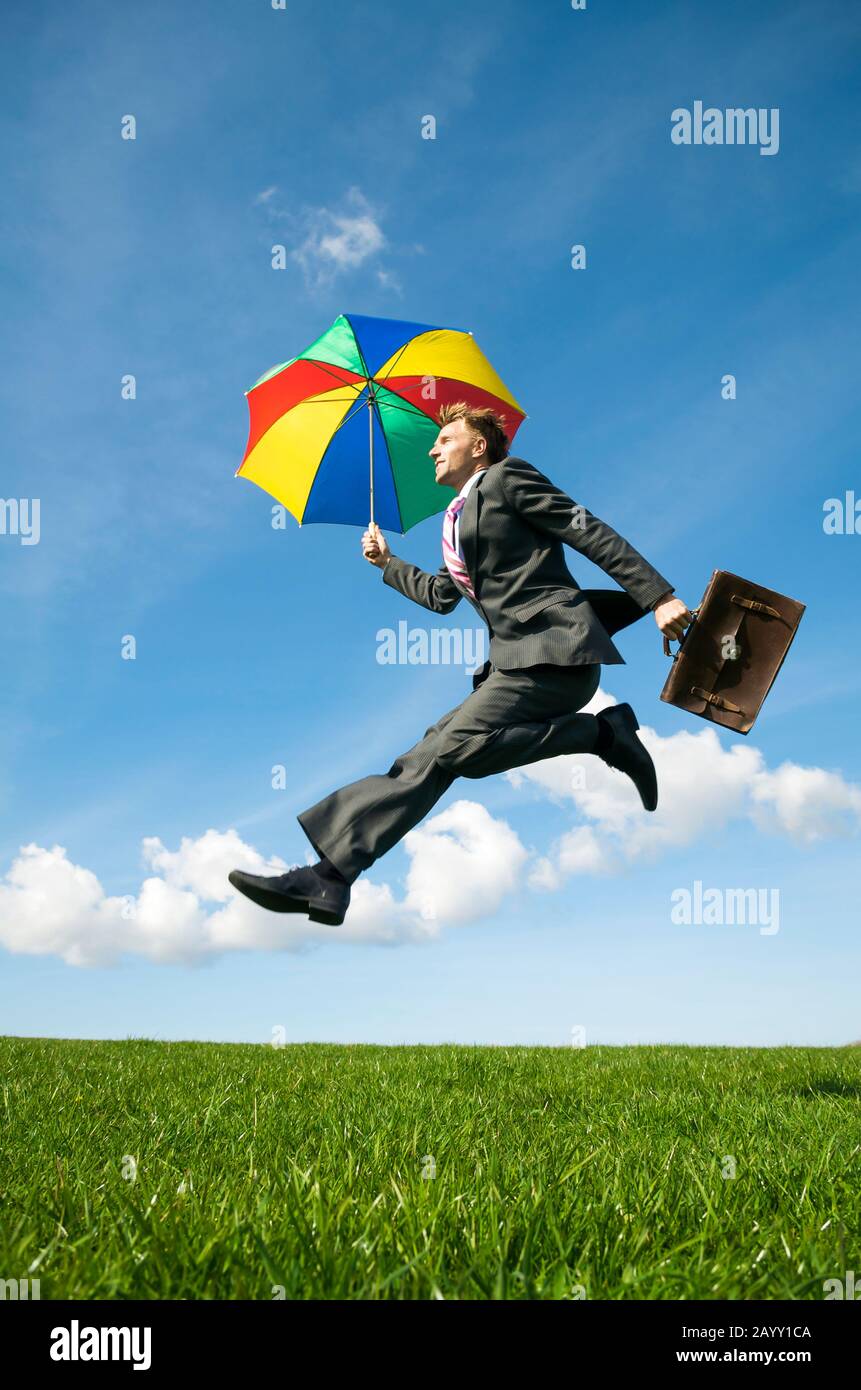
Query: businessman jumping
502 545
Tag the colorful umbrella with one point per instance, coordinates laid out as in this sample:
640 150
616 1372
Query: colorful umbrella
365 396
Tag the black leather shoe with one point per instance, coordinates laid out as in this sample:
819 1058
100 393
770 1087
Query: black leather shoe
628 754
300 890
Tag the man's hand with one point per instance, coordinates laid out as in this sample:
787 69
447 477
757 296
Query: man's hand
672 617
375 547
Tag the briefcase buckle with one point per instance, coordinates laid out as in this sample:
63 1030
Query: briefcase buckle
720 700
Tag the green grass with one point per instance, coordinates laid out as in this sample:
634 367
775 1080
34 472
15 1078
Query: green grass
554 1168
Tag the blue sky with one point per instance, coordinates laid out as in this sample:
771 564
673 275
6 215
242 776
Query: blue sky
142 780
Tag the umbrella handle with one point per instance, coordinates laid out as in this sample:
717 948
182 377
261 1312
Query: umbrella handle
371 448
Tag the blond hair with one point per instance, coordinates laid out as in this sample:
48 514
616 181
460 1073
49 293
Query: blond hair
481 420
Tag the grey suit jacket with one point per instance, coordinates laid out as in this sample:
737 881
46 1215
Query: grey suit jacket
513 526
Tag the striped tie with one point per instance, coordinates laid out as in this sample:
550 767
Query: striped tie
452 557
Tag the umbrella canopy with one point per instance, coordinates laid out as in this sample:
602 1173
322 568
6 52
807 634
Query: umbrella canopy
349 422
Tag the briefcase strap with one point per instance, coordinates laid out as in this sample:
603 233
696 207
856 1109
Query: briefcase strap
720 700
755 606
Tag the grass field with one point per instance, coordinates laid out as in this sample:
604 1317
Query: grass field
142 1169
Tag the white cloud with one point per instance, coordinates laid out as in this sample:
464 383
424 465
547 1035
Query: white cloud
579 851
389 281
50 906
806 803
186 911
464 862
329 242
199 864
702 788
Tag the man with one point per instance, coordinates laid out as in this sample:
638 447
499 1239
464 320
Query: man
502 550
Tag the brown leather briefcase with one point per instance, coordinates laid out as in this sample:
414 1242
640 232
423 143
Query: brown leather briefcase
728 659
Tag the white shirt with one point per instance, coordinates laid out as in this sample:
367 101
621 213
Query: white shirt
464 492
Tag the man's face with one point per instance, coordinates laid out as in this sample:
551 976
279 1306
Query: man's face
456 453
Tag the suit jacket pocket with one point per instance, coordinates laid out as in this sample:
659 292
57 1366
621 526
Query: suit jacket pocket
528 610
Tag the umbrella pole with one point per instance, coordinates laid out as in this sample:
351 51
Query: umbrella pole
371 443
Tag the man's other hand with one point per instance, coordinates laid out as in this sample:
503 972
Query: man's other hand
672 617
375 547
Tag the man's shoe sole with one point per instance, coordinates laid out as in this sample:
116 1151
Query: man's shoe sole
318 913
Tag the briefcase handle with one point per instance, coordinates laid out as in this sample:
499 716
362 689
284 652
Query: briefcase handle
667 651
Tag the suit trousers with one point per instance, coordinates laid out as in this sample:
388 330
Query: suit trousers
512 719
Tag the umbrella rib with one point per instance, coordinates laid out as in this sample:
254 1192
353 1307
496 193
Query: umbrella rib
403 392
324 368
360 405
407 409
390 405
401 352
